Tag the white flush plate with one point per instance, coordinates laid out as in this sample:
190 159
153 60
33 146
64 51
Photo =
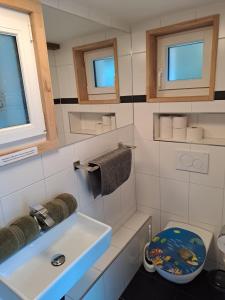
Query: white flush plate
192 161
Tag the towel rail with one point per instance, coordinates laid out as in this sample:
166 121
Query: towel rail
78 166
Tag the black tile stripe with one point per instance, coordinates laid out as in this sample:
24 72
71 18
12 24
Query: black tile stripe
56 101
219 95
126 99
139 98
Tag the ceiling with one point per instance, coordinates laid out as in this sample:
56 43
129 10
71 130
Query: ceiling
61 26
132 11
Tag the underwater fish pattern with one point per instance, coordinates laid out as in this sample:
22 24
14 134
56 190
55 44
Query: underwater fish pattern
177 251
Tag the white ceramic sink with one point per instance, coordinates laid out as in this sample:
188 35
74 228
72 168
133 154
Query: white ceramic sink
30 274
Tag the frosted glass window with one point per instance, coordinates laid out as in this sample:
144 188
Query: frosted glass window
185 62
104 72
13 108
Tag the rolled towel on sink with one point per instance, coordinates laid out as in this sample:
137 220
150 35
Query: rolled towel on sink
55 211
114 170
28 226
69 200
11 240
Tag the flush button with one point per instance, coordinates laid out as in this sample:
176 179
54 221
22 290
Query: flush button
197 164
192 161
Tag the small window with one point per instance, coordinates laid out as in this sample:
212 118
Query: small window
13 107
184 61
21 115
100 70
104 72
96 68
181 61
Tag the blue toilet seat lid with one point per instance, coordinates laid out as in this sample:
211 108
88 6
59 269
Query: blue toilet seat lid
177 251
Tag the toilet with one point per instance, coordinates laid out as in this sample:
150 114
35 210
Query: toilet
179 251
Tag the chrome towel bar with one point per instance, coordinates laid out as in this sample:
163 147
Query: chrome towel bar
78 166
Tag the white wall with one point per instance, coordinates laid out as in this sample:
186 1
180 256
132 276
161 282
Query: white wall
163 191
64 83
39 179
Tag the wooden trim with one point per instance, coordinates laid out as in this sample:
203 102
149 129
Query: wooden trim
80 71
33 8
151 59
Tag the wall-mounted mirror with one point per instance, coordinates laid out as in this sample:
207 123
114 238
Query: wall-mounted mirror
79 118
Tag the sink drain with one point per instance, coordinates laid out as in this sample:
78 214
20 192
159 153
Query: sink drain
58 260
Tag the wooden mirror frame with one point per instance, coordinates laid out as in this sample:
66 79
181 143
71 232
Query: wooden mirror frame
34 9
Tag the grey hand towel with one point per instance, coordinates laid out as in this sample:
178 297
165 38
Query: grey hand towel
10 242
69 200
114 170
28 226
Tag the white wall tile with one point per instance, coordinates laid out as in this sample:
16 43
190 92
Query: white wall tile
20 174
112 209
212 9
147 157
168 217
17 204
139 34
128 199
55 82
125 75
155 214
168 160
143 119
220 68
215 176
147 190
123 41
139 73
62 182
205 204
58 160
178 17
175 107
174 197
67 81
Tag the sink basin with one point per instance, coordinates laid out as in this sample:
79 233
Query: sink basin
30 274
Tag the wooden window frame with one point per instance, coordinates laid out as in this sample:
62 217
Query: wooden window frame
151 62
80 71
34 10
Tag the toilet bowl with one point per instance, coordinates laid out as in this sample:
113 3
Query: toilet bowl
179 251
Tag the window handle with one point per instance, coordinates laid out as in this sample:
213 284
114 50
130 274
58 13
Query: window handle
160 75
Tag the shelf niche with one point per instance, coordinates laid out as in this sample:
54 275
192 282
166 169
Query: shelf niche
213 125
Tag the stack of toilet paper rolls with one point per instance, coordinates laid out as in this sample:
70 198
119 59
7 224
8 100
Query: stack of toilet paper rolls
166 127
179 128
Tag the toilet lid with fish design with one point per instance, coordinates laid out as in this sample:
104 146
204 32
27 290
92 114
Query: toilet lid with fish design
177 251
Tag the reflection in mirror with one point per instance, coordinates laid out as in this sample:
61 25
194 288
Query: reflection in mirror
78 120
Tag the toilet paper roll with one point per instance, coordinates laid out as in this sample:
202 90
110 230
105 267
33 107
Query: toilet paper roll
179 134
166 127
180 122
194 133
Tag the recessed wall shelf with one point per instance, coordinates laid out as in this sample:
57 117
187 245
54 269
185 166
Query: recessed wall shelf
213 125
91 123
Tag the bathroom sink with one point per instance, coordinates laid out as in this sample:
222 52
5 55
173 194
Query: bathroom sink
76 243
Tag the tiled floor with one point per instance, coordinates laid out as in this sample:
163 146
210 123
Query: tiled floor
153 287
